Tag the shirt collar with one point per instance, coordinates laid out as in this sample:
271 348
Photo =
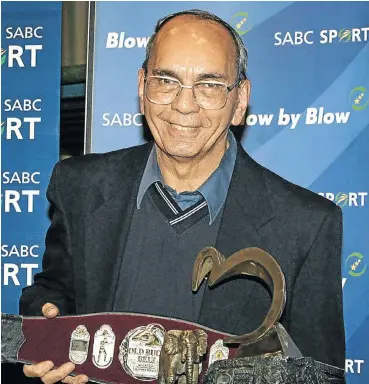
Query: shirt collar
214 189
151 174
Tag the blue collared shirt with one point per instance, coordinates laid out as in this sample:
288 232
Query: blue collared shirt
214 189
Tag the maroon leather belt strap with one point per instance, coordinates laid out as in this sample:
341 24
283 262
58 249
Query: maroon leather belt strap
116 348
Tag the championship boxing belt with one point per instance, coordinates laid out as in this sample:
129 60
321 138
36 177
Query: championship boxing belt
125 348
116 348
132 343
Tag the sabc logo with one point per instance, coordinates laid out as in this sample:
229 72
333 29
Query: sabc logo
3 56
359 98
351 199
239 23
355 264
341 199
344 35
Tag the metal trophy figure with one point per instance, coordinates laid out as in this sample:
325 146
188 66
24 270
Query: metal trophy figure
265 356
251 262
181 356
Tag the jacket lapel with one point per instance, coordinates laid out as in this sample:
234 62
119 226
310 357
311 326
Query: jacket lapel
107 228
247 210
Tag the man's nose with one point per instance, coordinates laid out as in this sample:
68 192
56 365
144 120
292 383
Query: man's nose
185 102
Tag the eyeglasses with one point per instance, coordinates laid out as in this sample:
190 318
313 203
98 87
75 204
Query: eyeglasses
207 94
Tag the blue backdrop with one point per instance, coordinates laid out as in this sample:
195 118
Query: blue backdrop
30 86
309 60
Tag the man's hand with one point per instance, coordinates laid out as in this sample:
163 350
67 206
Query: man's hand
50 310
44 370
49 375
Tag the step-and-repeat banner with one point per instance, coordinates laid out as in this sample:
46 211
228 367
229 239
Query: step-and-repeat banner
309 114
30 105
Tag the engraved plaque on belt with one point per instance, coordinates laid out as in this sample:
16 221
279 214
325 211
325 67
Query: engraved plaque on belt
139 351
103 349
79 342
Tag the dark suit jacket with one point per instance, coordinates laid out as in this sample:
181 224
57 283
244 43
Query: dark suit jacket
94 197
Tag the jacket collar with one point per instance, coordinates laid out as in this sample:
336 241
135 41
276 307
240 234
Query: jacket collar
248 186
247 209
214 189
247 183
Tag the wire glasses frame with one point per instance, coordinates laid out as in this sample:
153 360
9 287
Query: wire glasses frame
207 94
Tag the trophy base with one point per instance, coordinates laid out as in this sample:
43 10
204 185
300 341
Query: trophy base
272 370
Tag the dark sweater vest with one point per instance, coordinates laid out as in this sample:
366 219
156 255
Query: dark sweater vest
161 248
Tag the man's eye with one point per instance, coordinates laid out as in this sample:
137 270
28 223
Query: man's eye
211 85
166 82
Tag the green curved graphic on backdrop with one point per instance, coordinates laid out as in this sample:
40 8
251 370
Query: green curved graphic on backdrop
353 267
238 25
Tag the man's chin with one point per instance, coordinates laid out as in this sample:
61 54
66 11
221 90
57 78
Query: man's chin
181 152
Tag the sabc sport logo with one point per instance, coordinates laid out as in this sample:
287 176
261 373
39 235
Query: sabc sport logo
3 56
355 264
239 23
16 55
344 35
359 98
326 36
19 55
343 199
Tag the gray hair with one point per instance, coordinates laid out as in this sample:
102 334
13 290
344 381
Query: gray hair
241 57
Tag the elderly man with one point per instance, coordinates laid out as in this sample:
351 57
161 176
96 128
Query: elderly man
128 224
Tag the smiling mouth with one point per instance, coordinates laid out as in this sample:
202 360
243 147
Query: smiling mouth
183 127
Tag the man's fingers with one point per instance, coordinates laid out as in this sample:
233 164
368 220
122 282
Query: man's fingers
50 310
38 370
50 376
80 379
58 374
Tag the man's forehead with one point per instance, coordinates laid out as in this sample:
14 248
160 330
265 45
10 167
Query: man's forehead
191 41
195 29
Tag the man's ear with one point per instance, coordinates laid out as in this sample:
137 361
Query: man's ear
244 90
141 89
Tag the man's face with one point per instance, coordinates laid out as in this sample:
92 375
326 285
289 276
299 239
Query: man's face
190 50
